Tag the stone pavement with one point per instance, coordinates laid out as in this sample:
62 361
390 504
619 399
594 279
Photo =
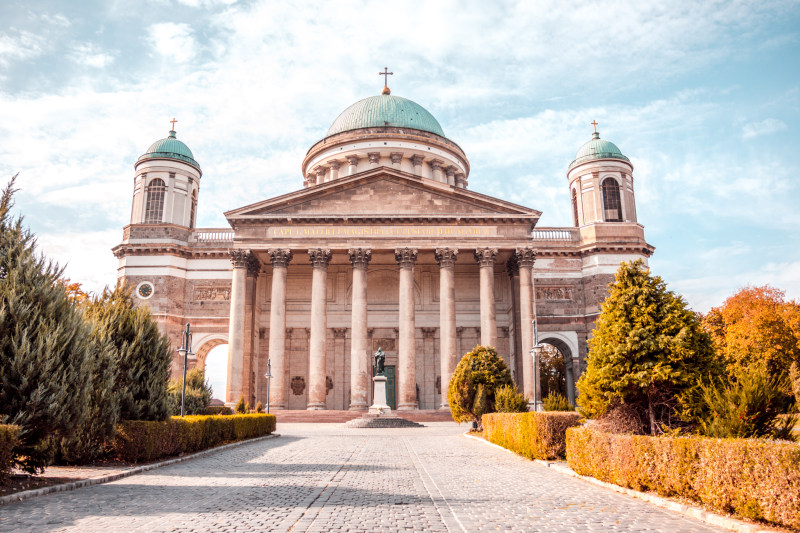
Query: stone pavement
324 477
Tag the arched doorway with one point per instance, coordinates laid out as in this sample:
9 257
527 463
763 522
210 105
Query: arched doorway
216 365
555 369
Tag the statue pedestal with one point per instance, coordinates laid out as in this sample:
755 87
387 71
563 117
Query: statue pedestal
379 405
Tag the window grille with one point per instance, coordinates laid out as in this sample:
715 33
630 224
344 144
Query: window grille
154 209
612 205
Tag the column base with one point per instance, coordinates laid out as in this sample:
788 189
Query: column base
358 406
315 407
444 407
407 406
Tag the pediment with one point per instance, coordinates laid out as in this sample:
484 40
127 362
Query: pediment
382 193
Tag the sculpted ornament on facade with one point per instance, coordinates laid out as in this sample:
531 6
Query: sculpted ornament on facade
239 258
406 257
211 293
319 257
298 385
554 293
525 257
359 257
279 257
446 257
485 256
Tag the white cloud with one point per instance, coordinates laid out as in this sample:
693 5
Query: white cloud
90 55
763 127
25 45
173 40
86 256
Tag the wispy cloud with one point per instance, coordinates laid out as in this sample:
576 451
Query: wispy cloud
762 127
173 40
90 55
21 46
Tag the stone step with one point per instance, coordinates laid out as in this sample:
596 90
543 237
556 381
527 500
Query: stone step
338 416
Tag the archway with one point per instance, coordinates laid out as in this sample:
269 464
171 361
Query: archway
555 369
216 365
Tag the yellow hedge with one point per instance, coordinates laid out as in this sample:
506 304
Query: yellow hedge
139 440
754 478
8 439
534 435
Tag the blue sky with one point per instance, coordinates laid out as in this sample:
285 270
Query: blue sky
704 97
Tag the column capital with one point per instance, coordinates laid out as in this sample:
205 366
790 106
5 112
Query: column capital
436 164
428 333
374 157
417 160
239 258
525 257
451 171
335 164
461 181
406 257
485 256
320 171
396 157
253 265
352 159
280 257
339 333
320 257
446 257
359 257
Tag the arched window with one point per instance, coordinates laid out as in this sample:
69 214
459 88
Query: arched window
154 208
194 209
575 207
612 206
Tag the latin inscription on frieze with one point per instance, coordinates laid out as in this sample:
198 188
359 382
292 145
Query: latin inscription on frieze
387 345
381 231
554 293
211 293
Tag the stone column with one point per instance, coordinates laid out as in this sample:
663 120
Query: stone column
525 258
451 175
359 341
320 171
406 339
334 174
277 326
448 349
319 328
416 161
513 273
236 325
374 159
352 164
485 258
436 166
461 181
250 332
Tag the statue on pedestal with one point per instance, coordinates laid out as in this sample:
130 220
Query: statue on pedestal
380 360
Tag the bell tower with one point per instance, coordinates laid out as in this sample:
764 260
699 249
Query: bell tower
166 184
601 184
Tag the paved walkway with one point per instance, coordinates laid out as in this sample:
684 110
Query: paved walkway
325 477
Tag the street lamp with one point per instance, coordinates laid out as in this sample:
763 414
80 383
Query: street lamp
268 375
186 350
536 352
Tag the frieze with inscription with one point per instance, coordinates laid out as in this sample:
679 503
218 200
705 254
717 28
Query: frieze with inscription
554 293
212 293
381 231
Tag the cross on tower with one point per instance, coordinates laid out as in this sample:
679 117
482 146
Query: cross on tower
173 121
386 75
594 123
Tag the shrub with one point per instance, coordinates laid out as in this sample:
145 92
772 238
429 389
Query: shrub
534 435
241 407
754 478
508 400
471 392
555 401
747 408
198 393
217 410
259 407
8 439
140 440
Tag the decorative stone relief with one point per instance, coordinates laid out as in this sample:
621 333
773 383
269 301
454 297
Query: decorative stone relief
298 385
387 345
211 293
406 257
319 257
328 385
446 257
438 384
554 293
239 258
359 257
525 257
280 257
485 256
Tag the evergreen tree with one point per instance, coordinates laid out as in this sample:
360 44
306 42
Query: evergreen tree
143 355
45 348
471 392
648 351
198 393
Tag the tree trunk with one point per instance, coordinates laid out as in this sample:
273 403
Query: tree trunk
652 412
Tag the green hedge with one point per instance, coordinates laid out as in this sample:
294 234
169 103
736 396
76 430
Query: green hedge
8 439
217 410
754 478
535 435
139 440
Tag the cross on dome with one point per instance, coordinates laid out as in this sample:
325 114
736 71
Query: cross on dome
594 123
386 75
173 121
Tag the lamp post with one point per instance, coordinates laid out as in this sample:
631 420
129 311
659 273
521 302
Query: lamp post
186 350
268 375
536 352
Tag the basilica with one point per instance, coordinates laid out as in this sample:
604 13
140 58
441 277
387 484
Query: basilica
382 245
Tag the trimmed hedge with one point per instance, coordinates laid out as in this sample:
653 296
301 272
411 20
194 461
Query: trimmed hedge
140 440
8 439
758 479
535 435
217 410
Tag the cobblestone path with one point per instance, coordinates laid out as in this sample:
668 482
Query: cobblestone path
324 477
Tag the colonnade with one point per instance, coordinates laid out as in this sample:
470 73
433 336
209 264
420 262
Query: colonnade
245 267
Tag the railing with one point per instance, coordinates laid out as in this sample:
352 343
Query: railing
213 235
555 234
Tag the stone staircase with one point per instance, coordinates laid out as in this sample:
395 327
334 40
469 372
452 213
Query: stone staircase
338 417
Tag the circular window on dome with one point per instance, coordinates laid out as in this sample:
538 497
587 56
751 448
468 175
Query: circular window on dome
144 290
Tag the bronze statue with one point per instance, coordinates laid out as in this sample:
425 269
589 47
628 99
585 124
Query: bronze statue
380 359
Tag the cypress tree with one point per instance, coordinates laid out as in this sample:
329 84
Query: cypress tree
648 351
45 349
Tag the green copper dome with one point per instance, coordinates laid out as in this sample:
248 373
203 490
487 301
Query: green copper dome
170 148
385 110
597 148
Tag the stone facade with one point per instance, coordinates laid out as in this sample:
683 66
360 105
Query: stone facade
377 250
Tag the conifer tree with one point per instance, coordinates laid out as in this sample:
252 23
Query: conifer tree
45 350
471 391
143 355
648 351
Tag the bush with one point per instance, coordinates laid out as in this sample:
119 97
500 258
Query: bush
259 407
471 392
754 478
198 393
241 407
555 401
508 400
8 439
748 408
140 440
217 410
534 435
